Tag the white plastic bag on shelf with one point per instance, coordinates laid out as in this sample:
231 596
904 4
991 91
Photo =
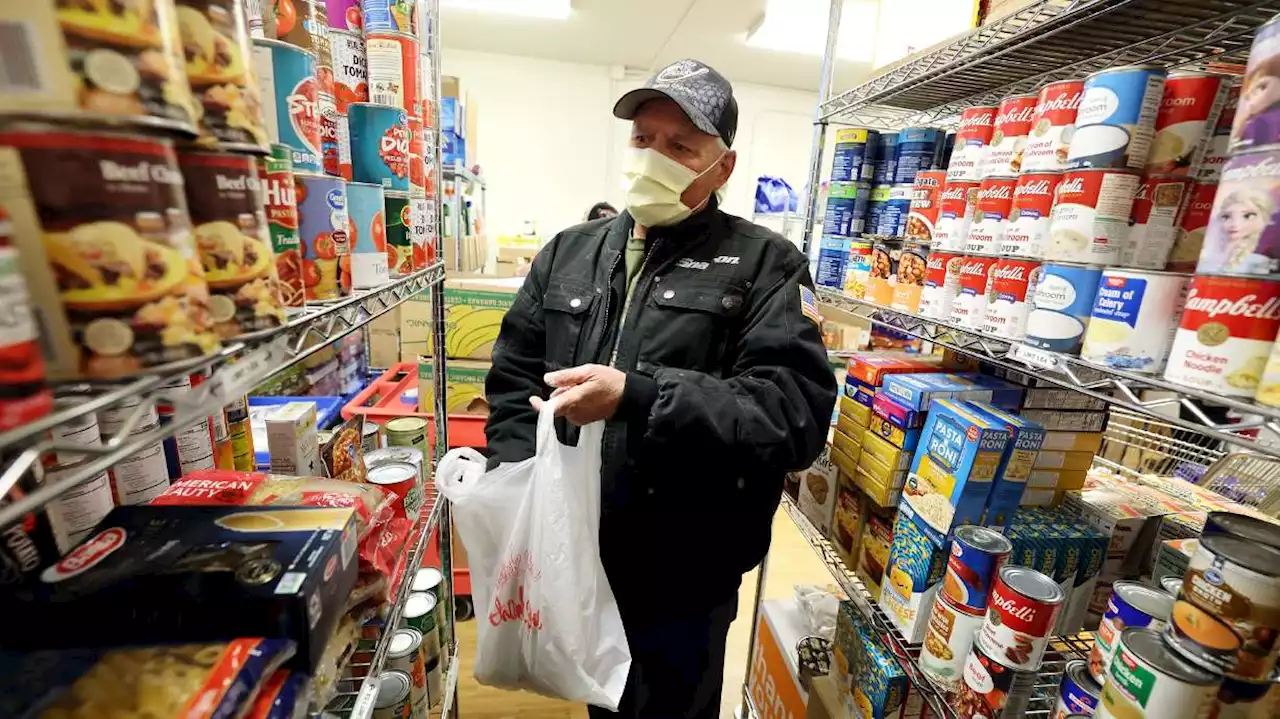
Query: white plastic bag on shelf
546 618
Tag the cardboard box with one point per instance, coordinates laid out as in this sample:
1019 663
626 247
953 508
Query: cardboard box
846 527
885 496
292 440
907 439
917 391
1049 398
884 452
881 474
1064 460
825 700
913 574
774 682
847 463
849 444
1073 441
897 413
474 308
846 425
465 380
873 551
960 452
1060 479
1020 455
819 485
854 410
1067 421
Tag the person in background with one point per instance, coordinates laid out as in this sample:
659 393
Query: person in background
695 336
601 210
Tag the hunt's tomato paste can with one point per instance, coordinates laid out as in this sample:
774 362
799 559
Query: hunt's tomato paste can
956 204
1009 142
925 195
393 63
1227 330
1022 610
379 145
1009 297
1090 222
991 217
969 307
1189 239
1153 221
280 203
1028 227
1188 114
1055 120
290 106
941 267
977 125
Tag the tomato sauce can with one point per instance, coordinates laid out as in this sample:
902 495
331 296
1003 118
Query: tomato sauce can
1255 126
1189 239
1024 606
417 164
989 687
947 642
323 227
290 104
1027 231
219 63
1239 581
923 213
399 234
976 555
1090 221
104 242
1153 221
393 65
969 306
225 199
956 206
1225 335
1009 297
1051 130
1217 149
991 216
1148 680
851 162
1116 118
883 277
892 221
280 203
1078 694
937 295
90 60
366 205
1134 319
911 271
1061 303
24 396
973 138
1132 604
1014 120
1242 237
350 69
1188 114
379 145
424 248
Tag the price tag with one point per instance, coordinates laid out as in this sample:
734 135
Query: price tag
1034 356
363 708
237 378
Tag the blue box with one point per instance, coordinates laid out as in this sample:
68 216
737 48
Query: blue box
1025 439
959 455
452 118
913 574
1004 394
453 148
859 392
916 391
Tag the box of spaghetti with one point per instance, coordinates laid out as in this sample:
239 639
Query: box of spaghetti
194 574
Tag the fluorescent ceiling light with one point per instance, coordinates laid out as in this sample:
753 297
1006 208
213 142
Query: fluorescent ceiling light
549 9
800 26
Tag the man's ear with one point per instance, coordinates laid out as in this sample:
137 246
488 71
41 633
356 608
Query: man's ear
727 163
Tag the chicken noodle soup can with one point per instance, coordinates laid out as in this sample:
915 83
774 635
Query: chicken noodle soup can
1061 303
280 203
1050 140
1090 221
219 62
399 234
1132 604
290 105
1188 241
947 642
1225 335
911 272
1255 123
925 195
323 227
1078 693
1239 581
1009 297
936 296
976 556
1027 231
379 145
1013 123
1243 236
1116 118
956 206
350 69
991 215
1153 221
969 306
1189 110
1134 319
105 245
1148 680
973 138
367 235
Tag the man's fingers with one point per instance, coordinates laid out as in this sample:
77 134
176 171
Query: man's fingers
568 377
536 401
558 391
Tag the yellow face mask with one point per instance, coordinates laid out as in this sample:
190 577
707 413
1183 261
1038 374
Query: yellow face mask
654 184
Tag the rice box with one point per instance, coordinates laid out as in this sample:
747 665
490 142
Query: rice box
818 485
881 493
845 462
850 444
913 573
916 391
884 452
952 473
1025 439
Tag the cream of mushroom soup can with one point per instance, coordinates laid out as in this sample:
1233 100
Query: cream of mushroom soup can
969 305
1226 334
1009 295
991 217
1055 120
956 205
1028 228
1090 220
941 280
1147 680
1134 319
1013 123
1189 111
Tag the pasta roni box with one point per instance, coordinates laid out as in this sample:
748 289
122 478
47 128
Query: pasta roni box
1020 456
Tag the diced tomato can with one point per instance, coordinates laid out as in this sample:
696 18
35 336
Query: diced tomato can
417 167
1013 124
937 294
424 251
393 64
1154 220
925 196
1227 330
969 307
911 272
1186 120
1028 228
991 216
1241 237
1008 297
956 206
1090 221
1023 608
977 125
1050 139
350 69
335 138
380 145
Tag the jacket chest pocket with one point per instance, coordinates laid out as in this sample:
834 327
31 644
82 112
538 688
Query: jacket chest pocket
690 325
566 310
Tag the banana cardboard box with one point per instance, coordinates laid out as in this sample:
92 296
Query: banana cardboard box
465 380
474 308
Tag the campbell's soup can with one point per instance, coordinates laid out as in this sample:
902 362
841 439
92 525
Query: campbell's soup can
1153 221
1255 125
1217 150
969 306
1242 236
290 104
1050 140
350 69
367 235
393 64
1090 221
925 196
1061 303
956 205
1227 330
1009 142
1189 238
936 294
1117 118
1021 612
991 215
1189 111
1027 231
1009 296
911 272
280 204
379 145
917 149
1134 318
977 125
323 228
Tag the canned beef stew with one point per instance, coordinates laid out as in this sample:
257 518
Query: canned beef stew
1024 605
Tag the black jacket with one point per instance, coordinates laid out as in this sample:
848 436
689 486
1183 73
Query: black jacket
728 387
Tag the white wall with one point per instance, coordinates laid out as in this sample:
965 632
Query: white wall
550 146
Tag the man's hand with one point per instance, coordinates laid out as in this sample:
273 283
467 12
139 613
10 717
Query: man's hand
586 393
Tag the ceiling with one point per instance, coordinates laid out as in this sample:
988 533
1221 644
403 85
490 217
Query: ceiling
643 35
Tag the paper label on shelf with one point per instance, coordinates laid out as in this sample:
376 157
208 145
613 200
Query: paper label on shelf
1034 356
247 372
363 706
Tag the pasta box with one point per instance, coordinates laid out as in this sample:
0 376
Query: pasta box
818 486
916 391
850 444
848 425
879 492
859 413
907 439
881 474
897 413
913 574
845 462
960 451
1020 454
870 368
192 574
1004 395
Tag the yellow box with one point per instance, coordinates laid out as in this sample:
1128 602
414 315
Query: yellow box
859 413
465 381
1066 461
873 553
846 425
892 433
880 472
881 494
849 444
1057 478
883 451
1038 497
474 308
847 463
1072 442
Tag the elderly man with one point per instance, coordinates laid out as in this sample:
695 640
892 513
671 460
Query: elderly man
695 335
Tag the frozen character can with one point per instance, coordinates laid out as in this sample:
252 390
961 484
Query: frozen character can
1153 221
1243 236
1009 142
290 107
1061 303
1257 121
323 227
925 197
1134 319
1051 130
367 237
1027 231
1189 112
1009 297
956 207
1225 334
1189 239
1117 118
379 145
219 56
1090 221
991 216
977 125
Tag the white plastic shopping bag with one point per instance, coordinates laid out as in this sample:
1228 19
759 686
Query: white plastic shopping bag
546 618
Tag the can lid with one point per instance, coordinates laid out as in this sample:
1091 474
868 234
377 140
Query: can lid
369 428
1146 644
393 687
404 642
988 540
1031 584
392 473
1246 527
1153 602
1172 585
1251 555
418 604
427 579
405 424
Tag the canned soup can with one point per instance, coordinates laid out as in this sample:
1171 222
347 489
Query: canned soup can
850 155
1226 333
104 241
1255 125
941 278
379 145
973 139
1024 606
976 556
1153 221
1061 304
90 60
367 236
1078 694
219 63
1217 152
1051 130
401 478
303 24
1148 680
1242 237
1239 582
1132 604
1027 230
399 237
1090 222
947 642
323 227
417 164
1189 110
1134 319
1117 118
990 688
280 201
287 76
991 216
969 306
956 206
1009 297
1189 239
1013 124
925 196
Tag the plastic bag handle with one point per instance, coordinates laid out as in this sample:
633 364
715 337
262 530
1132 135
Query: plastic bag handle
547 441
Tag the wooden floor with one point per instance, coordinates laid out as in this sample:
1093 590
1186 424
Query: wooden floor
791 562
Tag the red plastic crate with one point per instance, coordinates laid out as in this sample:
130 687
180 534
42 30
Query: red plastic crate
380 401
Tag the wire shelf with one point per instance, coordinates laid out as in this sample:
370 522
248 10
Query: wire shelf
1135 445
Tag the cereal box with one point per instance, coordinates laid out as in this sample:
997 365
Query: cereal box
913 573
846 529
818 486
897 413
1020 456
870 368
873 551
916 391
953 470
907 439
885 452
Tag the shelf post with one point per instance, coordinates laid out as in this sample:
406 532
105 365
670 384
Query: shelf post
820 123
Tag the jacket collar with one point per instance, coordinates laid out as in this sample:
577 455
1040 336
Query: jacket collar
692 228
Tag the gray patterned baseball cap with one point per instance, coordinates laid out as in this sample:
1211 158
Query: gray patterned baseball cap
704 95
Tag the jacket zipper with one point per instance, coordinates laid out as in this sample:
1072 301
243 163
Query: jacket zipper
622 322
608 285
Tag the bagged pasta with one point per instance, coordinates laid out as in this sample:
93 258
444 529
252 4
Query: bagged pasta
343 453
